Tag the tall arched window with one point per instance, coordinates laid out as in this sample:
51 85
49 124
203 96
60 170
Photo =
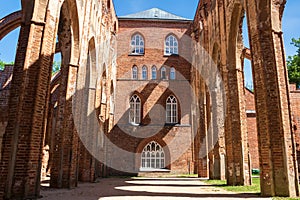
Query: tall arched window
153 73
135 110
137 44
172 73
134 72
171 110
163 73
144 73
153 156
171 45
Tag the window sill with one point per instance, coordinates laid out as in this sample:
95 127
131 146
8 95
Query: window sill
153 170
169 55
134 124
136 54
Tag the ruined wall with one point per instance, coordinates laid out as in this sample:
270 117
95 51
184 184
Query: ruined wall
5 79
76 23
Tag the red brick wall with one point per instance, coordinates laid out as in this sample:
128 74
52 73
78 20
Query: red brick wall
153 92
252 129
295 107
5 80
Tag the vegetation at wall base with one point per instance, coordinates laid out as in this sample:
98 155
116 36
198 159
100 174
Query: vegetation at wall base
254 188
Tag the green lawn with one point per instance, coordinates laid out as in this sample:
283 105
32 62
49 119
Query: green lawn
254 188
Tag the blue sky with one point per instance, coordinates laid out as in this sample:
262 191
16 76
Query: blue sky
291 20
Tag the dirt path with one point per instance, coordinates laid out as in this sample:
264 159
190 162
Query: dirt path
143 189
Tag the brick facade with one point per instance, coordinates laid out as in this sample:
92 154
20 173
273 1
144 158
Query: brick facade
154 93
82 113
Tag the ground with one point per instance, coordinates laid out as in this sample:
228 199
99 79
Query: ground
144 188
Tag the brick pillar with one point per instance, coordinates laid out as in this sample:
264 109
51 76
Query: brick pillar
86 165
236 131
64 173
217 138
22 151
203 168
279 175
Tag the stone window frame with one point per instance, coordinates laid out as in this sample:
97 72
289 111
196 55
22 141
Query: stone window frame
172 73
171 110
152 156
134 72
154 75
163 73
171 49
135 109
144 72
137 49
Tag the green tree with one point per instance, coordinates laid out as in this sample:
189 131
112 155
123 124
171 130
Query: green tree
56 66
293 64
2 65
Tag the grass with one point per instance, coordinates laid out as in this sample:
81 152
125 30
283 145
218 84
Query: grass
254 188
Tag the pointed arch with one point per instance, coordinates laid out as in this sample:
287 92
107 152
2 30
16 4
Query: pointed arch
134 72
163 73
172 73
152 156
135 109
144 73
171 110
153 72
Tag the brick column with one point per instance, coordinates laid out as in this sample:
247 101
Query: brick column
217 138
202 153
64 173
86 165
279 175
22 151
236 131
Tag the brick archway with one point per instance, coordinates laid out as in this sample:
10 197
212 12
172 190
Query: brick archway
10 23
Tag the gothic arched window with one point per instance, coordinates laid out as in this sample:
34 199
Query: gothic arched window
171 45
137 44
134 72
135 110
153 156
144 73
172 73
153 73
171 110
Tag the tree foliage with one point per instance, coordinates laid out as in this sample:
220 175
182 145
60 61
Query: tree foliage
56 66
293 64
2 64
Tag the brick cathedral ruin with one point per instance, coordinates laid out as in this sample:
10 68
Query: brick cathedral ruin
146 92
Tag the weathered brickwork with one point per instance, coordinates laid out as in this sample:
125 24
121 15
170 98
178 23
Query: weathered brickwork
5 82
295 111
75 125
251 128
154 93
21 163
217 32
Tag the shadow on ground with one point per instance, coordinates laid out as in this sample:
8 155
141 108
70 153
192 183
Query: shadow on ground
148 188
